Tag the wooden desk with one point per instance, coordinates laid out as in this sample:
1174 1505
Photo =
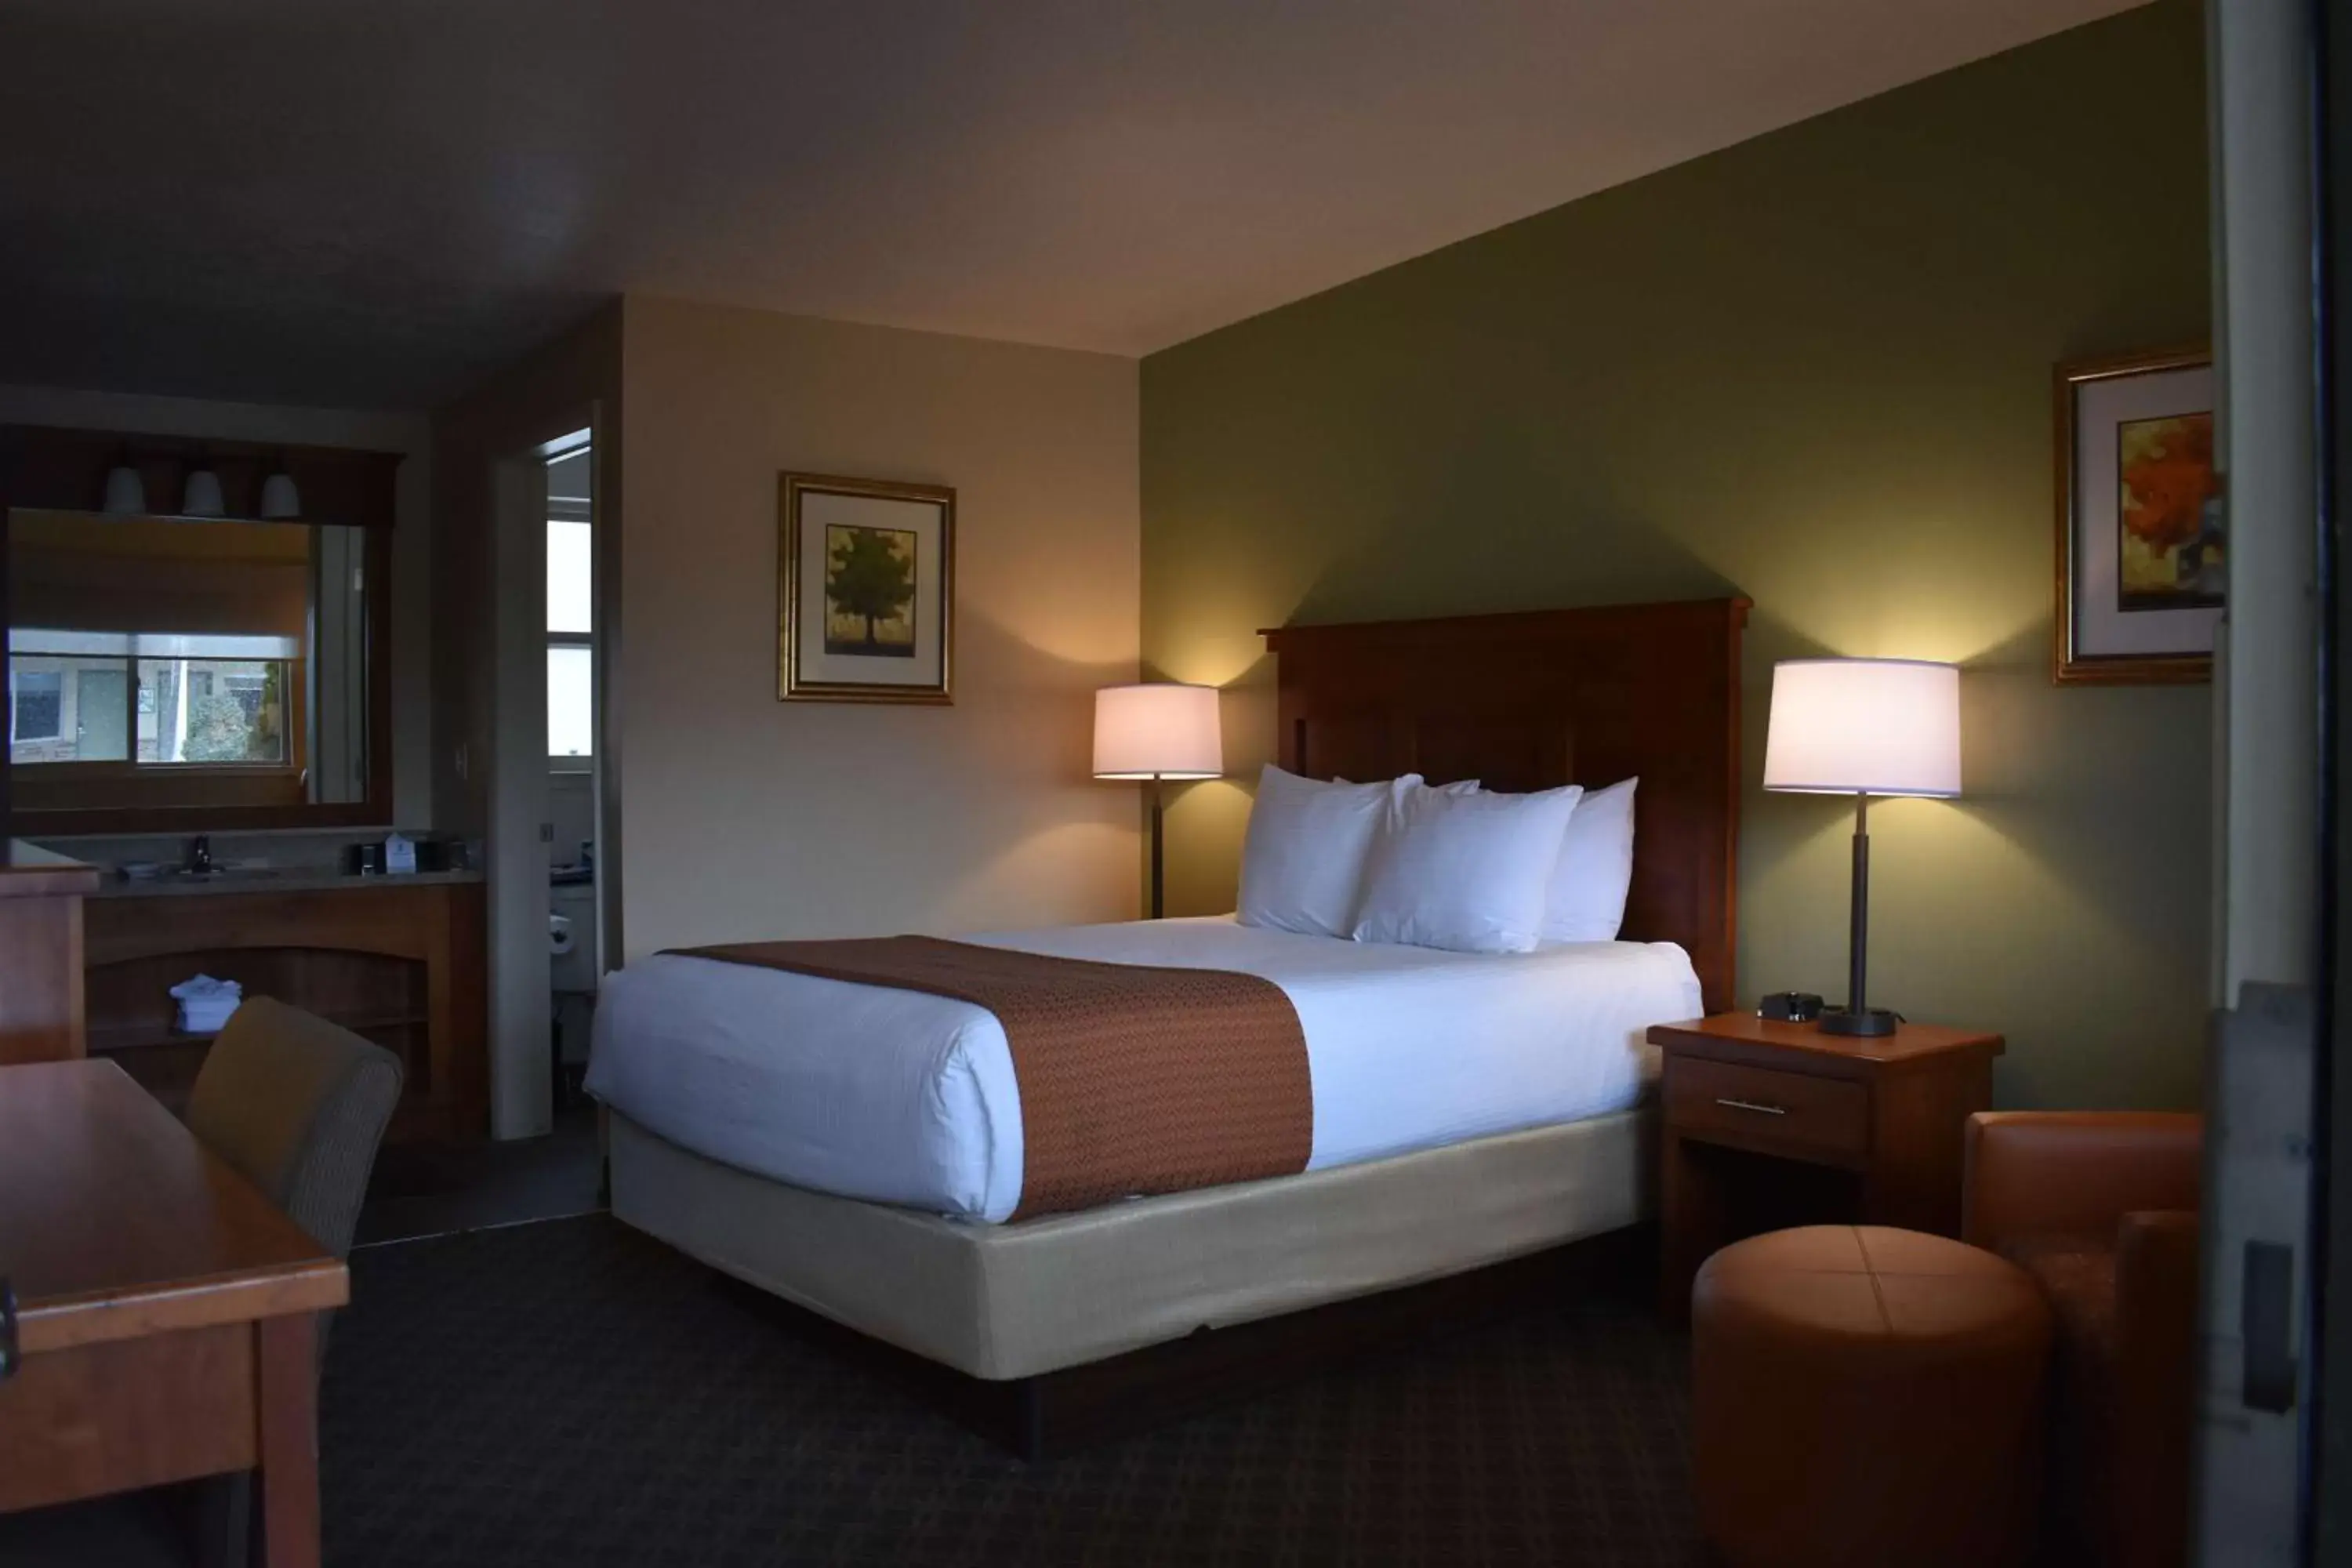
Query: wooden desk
167 1313
1770 1124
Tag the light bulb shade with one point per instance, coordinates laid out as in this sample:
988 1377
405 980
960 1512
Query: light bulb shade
202 496
126 492
280 501
1160 731
1864 726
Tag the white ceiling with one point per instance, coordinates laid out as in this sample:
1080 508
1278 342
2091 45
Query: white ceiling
372 202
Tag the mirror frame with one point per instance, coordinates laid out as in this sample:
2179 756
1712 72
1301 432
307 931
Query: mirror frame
65 471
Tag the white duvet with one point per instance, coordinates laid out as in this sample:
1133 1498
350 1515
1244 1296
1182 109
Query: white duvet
904 1097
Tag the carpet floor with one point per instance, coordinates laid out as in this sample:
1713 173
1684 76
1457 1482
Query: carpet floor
571 1393
430 1189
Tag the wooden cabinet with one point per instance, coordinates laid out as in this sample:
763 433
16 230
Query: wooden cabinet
1770 1124
400 962
41 952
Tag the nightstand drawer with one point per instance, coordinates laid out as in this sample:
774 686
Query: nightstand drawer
1774 1111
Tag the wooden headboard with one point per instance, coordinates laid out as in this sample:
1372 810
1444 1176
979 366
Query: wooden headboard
1552 696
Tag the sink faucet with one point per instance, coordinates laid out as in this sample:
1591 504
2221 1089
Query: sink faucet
200 853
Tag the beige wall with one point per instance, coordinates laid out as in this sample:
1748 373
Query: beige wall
748 818
1814 368
412 599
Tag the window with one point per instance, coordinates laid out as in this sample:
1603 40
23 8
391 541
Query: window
35 706
571 605
570 610
235 711
151 699
101 714
571 701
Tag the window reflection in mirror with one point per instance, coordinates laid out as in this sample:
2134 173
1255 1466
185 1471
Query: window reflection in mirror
229 656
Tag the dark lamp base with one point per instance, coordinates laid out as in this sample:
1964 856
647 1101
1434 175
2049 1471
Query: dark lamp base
1870 1021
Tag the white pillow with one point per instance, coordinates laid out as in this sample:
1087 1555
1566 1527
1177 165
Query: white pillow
1465 872
1303 860
1411 782
1595 869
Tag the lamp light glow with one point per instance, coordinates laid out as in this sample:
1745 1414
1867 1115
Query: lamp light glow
1157 731
1864 726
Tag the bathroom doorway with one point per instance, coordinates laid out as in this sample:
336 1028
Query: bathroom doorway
544 792
546 784
574 939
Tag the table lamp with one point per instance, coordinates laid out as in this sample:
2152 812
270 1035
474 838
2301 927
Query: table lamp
1863 726
1157 731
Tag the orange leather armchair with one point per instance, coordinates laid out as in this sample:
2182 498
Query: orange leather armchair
2100 1208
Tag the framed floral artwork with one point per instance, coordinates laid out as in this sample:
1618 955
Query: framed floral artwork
864 589
2143 542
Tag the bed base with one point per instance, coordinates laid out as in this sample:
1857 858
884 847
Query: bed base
1057 1414
1057 1331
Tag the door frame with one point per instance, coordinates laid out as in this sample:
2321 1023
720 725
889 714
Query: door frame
521 994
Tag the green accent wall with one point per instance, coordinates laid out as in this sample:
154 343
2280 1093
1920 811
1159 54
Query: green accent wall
1814 368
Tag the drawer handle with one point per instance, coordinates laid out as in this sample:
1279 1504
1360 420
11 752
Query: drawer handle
1761 1109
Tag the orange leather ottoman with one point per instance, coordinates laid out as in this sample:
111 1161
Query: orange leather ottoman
1868 1398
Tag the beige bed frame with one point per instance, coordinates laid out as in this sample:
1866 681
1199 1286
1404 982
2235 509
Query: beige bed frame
1008 1301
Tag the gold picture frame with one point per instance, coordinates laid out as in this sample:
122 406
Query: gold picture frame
2115 417
864 590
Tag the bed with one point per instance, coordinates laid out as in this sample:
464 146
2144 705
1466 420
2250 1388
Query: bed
1469 1110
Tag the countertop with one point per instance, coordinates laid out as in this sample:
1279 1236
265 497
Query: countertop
28 870
293 879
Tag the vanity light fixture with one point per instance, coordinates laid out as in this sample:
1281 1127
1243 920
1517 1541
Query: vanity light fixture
202 495
126 492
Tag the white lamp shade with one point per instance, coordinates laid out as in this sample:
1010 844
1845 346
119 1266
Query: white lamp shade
1864 726
202 496
126 494
1161 731
280 499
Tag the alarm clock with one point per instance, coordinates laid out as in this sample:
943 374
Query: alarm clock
1789 1008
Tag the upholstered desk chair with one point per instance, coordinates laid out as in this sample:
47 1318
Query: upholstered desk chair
298 1105
2101 1208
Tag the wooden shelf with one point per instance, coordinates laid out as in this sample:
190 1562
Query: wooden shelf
105 1037
402 966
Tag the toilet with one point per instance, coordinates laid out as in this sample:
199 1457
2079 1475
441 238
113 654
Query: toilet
572 971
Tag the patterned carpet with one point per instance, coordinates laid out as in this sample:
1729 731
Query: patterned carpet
572 1393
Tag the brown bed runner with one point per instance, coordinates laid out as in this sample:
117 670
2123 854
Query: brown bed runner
1133 1078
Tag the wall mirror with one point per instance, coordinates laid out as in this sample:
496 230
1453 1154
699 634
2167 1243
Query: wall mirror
173 673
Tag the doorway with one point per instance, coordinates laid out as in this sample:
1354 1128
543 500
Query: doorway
544 789
546 781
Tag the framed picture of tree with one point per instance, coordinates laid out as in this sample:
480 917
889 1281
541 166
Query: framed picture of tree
864 589
2143 542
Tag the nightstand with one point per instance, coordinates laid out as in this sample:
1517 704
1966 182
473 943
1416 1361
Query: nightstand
1770 1124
